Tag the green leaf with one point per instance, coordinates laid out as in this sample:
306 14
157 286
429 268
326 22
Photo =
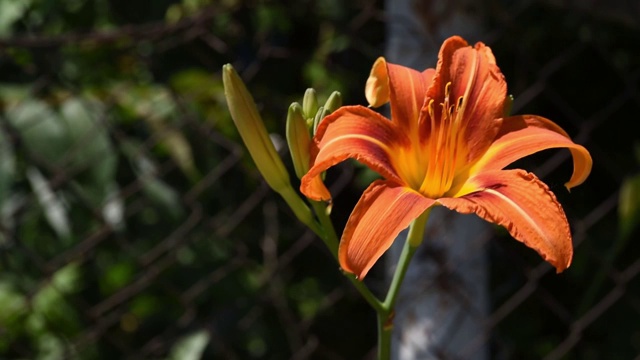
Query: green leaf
190 347
161 194
41 130
10 12
14 307
50 305
90 149
52 205
67 279
117 276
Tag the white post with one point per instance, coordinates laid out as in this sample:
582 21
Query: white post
443 304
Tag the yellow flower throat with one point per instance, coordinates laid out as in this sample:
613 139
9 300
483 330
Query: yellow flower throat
431 164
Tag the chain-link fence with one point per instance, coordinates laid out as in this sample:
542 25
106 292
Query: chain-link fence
135 226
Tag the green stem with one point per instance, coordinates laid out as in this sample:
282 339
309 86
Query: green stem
329 234
385 317
385 328
414 239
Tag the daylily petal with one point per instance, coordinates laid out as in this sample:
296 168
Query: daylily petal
477 93
377 88
383 211
351 132
526 207
524 135
404 87
477 79
445 58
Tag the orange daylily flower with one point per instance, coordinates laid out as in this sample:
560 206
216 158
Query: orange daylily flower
447 144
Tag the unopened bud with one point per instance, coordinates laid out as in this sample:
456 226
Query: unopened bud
322 112
333 102
298 139
252 130
309 103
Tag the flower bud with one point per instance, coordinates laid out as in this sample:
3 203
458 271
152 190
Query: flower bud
322 112
309 103
252 130
298 138
333 102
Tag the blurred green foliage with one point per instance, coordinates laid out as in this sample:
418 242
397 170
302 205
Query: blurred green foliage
122 184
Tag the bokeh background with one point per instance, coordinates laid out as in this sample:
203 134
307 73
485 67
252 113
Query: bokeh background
133 224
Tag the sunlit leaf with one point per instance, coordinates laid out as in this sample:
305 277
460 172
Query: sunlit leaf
51 304
10 12
90 149
52 205
14 307
42 131
50 347
113 207
190 347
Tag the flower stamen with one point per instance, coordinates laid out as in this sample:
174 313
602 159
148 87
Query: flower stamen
442 148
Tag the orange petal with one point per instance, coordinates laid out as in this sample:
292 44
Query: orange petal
383 211
526 207
351 132
377 88
524 135
404 87
477 79
477 92
445 58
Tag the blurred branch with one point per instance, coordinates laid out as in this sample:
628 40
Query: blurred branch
148 31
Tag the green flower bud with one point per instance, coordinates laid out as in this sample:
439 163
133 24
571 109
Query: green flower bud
298 139
309 103
322 112
333 102
252 130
